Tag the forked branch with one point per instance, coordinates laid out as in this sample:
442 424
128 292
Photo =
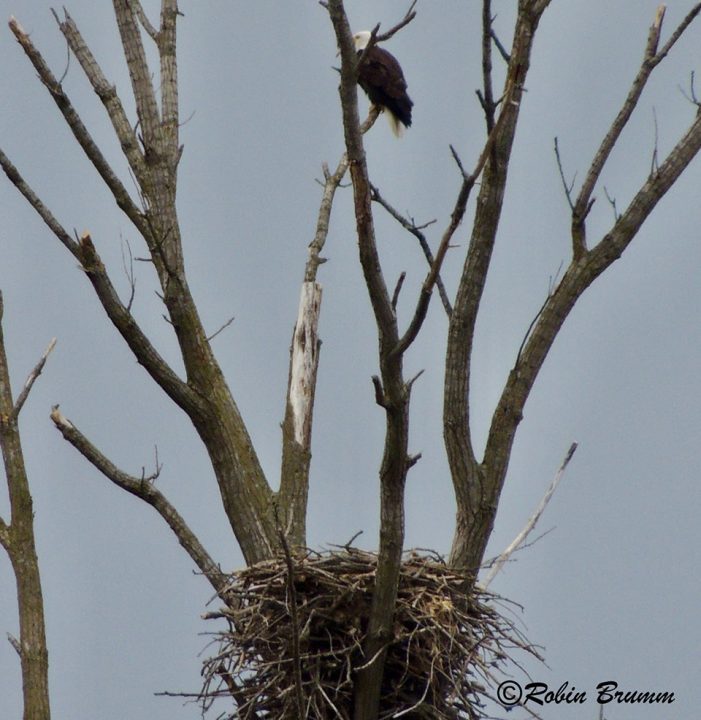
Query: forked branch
652 57
78 129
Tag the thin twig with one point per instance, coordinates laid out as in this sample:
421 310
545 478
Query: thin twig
129 272
408 17
612 202
654 163
532 521
223 327
410 226
33 375
567 187
15 643
502 50
691 96
397 290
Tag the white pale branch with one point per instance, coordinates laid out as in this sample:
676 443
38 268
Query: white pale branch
522 536
305 361
31 379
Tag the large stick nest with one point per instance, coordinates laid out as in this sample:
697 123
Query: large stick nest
446 647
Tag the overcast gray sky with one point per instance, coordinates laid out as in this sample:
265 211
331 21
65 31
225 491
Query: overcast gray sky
612 593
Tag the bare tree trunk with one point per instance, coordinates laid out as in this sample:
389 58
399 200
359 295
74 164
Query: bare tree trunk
17 538
392 392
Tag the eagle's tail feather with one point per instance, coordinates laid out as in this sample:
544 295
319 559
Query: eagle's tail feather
395 124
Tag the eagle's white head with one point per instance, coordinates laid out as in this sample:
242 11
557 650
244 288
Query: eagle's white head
361 39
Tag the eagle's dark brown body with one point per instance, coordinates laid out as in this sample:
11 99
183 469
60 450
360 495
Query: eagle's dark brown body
381 76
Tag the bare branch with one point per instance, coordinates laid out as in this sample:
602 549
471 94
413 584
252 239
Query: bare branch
44 213
304 360
612 202
424 300
487 100
107 94
518 541
567 187
178 390
410 226
331 183
143 19
299 411
502 50
578 277
78 129
654 164
412 380
651 59
143 488
458 161
394 467
15 644
221 329
139 73
397 290
33 375
467 474
129 272
681 28
408 17
691 95
413 459
169 78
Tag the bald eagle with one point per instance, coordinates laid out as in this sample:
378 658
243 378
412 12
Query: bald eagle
382 78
